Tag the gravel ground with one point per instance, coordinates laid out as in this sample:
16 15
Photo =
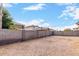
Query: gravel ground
48 46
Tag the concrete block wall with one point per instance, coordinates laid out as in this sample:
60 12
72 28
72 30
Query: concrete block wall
29 34
35 34
1 36
44 33
69 33
10 34
41 33
7 36
19 35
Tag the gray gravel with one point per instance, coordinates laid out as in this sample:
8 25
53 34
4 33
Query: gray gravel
48 46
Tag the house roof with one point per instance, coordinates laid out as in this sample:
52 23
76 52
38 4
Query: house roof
31 26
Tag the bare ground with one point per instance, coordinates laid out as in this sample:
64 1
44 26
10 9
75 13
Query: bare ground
48 46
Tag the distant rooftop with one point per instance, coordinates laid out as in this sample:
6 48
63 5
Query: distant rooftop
32 26
35 27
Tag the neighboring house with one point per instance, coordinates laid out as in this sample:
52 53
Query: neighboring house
77 28
19 26
34 27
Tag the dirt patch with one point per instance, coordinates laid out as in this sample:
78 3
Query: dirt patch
48 46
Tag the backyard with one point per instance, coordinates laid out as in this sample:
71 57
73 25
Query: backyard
47 46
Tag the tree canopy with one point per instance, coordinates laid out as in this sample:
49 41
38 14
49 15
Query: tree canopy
7 21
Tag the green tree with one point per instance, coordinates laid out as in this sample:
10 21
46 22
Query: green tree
7 22
67 30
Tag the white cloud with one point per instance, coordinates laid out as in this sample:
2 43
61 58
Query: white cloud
39 1
7 5
38 22
71 26
65 27
35 7
71 11
76 12
43 23
35 22
61 4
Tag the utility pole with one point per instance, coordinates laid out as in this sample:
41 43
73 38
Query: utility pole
1 5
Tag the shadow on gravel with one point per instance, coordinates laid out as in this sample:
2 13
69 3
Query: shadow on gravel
7 42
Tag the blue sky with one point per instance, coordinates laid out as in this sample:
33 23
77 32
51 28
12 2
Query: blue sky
53 15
